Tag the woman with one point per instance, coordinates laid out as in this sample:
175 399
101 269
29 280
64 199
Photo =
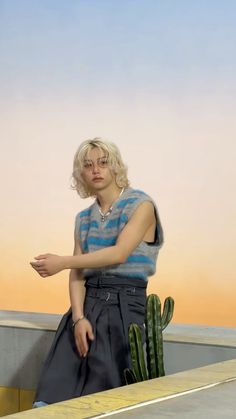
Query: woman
117 240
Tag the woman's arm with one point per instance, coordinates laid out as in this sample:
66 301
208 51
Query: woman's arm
76 287
82 329
129 238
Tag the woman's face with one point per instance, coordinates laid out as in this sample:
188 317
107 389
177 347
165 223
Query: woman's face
96 171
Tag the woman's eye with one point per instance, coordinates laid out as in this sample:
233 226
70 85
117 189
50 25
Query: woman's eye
87 164
104 162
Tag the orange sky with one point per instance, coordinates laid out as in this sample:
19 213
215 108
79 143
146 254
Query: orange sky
191 185
160 83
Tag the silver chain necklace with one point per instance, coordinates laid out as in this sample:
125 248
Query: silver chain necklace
106 214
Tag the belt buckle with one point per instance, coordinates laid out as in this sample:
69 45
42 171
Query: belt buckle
132 290
108 296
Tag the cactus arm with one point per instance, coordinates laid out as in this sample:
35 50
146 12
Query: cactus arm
137 353
167 312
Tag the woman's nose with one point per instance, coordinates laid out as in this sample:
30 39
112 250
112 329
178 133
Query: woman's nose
95 168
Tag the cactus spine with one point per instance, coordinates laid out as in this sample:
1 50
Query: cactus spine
155 323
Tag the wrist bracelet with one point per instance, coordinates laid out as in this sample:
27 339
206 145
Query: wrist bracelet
77 321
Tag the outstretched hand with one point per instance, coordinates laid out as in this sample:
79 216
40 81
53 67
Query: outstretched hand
48 264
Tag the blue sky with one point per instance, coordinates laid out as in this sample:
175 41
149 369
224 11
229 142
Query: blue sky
111 47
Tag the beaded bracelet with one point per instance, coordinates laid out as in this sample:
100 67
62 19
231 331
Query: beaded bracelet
77 321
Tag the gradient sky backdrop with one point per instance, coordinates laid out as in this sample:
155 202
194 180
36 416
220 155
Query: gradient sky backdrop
157 78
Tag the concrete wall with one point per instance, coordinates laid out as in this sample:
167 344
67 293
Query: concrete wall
180 356
22 352
25 339
23 349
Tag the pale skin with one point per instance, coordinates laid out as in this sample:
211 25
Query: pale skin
140 227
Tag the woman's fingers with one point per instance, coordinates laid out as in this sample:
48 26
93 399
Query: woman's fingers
40 270
83 332
90 334
37 265
81 346
42 256
42 273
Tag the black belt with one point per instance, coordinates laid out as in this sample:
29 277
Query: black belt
109 294
115 283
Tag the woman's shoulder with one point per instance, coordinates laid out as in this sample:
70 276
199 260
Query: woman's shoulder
137 194
131 199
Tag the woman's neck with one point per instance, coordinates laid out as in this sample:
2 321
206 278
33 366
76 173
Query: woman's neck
107 197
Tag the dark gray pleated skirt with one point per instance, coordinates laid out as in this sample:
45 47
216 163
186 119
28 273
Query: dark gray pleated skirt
111 304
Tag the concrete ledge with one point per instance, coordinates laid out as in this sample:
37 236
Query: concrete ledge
188 333
25 339
199 334
114 401
29 320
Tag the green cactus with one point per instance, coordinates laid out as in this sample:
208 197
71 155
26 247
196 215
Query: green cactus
155 323
137 353
167 312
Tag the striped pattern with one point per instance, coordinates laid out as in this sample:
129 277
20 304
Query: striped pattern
95 235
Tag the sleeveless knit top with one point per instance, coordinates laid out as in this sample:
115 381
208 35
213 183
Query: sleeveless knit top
93 234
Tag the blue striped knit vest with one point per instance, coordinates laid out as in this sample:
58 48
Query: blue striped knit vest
94 234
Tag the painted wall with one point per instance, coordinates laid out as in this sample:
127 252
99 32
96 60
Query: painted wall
157 78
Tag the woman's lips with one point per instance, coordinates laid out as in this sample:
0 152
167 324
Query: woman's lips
97 179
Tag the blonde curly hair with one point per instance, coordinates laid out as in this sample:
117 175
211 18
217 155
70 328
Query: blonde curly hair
115 163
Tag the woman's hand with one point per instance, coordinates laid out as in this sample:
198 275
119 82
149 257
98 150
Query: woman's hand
48 264
83 332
